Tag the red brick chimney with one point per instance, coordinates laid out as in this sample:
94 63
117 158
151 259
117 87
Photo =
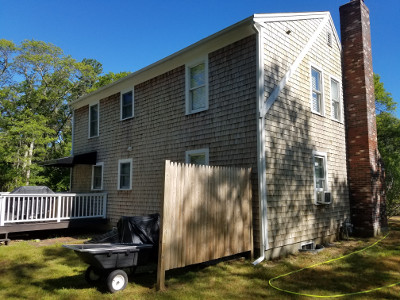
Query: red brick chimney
365 172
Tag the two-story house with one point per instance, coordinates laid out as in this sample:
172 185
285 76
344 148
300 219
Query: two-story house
264 93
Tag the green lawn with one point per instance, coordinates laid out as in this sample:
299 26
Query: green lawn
45 270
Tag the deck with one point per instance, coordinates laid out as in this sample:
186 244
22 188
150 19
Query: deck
31 212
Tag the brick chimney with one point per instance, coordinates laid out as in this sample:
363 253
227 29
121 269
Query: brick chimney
365 171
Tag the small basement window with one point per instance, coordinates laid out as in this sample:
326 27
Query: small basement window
197 157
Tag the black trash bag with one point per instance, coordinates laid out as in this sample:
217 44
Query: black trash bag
139 229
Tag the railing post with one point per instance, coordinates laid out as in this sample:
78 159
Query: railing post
58 208
2 210
104 197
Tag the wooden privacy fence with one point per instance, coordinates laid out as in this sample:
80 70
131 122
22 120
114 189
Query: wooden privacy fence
206 215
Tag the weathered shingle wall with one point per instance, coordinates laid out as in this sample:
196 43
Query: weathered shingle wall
293 132
160 129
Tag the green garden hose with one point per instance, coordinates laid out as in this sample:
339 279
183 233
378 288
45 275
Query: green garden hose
328 261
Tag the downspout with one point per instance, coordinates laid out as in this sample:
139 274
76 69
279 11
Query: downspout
261 162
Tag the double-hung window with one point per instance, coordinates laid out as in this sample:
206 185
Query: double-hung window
335 100
127 104
94 120
198 157
197 86
316 91
97 176
125 174
320 174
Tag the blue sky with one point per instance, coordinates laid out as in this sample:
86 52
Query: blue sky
126 35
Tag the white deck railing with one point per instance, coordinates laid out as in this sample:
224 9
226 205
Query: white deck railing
22 208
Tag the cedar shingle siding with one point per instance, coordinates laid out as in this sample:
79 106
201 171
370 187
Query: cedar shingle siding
160 129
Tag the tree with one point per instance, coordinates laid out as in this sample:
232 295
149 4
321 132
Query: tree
388 128
37 81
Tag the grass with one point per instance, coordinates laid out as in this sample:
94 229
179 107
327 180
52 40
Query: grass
45 270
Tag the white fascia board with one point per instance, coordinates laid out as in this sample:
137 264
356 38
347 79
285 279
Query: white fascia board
209 44
280 17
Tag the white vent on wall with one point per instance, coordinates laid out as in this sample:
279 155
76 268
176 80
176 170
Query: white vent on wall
329 38
324 197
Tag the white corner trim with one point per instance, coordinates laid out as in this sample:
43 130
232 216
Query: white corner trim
261 159
275 93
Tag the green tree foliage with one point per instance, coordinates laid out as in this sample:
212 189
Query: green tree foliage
388 127
37 81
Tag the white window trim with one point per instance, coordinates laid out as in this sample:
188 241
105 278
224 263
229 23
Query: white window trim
341 116
102 176
98 120
133 103
121 161
319 69
204 151
188 66
325 156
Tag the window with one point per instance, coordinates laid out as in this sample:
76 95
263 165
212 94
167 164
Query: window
197 86
335 100
320 174
316 91
97 176
93 120
125 174
127 100
197 157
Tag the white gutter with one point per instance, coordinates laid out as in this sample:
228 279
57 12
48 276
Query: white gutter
261 165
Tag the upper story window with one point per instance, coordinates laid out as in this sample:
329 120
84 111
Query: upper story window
97 176
197 86
197 157
316 91
335 100
125 174
94 120
127 104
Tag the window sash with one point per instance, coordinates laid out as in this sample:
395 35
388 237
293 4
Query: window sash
94 120
97 183
127 105
197 90
335 98
197 159
316 83
320 173
125 175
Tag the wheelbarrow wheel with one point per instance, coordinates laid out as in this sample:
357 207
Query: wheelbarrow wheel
117 281
92 275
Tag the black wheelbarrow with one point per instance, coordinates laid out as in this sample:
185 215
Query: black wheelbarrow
134 244
107 261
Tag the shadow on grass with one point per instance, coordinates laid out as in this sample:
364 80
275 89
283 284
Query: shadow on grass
62 255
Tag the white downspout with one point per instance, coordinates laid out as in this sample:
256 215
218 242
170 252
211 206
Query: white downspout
261 162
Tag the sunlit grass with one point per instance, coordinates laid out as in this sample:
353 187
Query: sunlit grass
32 271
